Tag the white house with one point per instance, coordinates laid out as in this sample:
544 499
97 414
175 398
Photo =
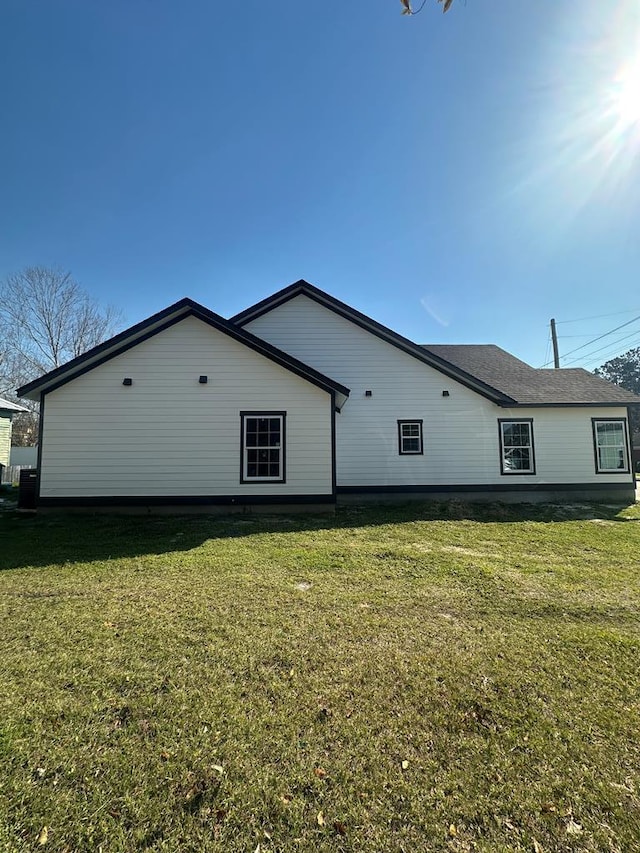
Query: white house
7 412
301 399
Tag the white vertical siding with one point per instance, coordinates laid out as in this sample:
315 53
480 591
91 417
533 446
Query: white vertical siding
461 443
5 439
169 435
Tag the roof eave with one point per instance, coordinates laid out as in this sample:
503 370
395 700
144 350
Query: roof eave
12 408
569 405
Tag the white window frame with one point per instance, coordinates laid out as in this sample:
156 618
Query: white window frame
247 449
402 438
504 466
623 447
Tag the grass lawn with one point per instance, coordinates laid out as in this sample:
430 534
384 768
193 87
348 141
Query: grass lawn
419 678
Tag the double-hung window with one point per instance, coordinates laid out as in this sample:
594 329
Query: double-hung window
262 443
410 438
610 445
516 447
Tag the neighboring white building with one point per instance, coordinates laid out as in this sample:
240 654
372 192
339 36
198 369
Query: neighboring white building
7 411
302 399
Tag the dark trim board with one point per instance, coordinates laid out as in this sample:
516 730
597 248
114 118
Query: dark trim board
520 492
479 487
163 500
539 492
333 444
183 500
40 434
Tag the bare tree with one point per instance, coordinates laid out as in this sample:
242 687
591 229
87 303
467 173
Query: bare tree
46 319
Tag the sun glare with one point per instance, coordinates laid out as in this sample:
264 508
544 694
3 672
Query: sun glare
584 155
626 99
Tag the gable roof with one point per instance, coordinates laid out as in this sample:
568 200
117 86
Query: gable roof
8 406
302 287
157 323
485 368
530 386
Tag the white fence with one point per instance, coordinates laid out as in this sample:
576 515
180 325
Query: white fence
10 474
19 458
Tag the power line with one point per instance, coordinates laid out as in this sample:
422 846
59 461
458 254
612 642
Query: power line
597 364
604 353
606 346
599 338
566 337
612 351
598 316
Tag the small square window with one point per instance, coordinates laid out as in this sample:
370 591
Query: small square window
410 438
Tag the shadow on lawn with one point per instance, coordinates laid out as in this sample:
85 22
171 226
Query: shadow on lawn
33 540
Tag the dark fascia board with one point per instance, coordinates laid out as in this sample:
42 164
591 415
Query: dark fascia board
303 287
157 323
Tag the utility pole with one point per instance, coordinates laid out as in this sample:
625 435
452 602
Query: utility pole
554 341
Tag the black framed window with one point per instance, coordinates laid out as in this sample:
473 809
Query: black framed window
516 446
410 438
610 445
262 447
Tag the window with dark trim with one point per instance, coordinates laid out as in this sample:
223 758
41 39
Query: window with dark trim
610 445
410 438
516 446
262 441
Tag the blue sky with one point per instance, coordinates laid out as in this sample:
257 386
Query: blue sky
460 177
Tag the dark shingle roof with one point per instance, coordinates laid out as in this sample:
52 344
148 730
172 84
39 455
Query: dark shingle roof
528 385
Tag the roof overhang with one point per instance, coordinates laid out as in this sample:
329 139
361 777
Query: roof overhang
8 408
